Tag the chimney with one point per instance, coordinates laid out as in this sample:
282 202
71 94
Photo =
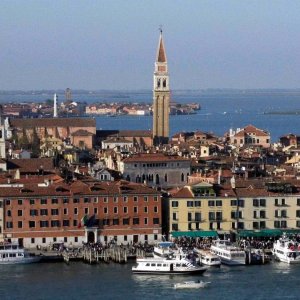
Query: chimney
17 174
219 177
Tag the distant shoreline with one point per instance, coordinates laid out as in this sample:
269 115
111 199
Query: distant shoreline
282 113
124 93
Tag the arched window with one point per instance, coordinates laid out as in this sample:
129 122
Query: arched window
164 83
143 178
156 179
128 178
182 177
0 134
166 177
158 82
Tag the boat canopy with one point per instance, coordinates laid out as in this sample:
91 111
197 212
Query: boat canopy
198 233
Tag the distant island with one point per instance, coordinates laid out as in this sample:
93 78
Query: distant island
137 109
71 108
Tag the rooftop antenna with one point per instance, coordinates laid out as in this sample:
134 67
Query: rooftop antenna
160 29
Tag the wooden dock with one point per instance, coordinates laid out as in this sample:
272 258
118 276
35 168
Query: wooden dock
91 255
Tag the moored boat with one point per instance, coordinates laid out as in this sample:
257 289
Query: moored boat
11 253
228 253
208 258
287 250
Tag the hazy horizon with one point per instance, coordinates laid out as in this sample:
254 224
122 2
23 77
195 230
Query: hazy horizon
111 45
208 90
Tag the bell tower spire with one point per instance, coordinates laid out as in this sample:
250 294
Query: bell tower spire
161 95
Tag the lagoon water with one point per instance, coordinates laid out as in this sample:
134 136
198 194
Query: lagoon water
220 110
113 281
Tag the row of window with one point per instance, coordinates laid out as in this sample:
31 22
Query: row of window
67 223
217 225
45 201
249 140
55 212
65 239
235 215
211 203
157 165
155 178
240 202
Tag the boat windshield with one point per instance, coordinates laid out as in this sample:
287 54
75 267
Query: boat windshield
166 244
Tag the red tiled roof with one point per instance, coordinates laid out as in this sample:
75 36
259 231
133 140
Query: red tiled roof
124 133
81 132
31 165
79 188
184 192
251 129
53 122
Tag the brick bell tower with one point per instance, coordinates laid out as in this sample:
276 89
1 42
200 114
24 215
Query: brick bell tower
161 96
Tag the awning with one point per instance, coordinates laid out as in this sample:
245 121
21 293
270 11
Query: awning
198 233
260 233
290 231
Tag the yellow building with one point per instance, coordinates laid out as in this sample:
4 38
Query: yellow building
204 207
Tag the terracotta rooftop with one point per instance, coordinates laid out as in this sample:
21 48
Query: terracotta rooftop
124 133
30 165
80 188
184 192
251 129
81 132
53 122
116 139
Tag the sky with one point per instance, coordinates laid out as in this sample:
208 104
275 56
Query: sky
94 45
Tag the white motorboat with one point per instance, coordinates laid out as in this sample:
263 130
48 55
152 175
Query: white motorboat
208 258
11 253
191 285
167 266
228 253
286 250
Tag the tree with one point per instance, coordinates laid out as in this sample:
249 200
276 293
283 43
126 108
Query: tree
35 146
23 141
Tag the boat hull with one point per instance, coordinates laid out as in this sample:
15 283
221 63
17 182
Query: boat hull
231 262
187 272
28 260
287 260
